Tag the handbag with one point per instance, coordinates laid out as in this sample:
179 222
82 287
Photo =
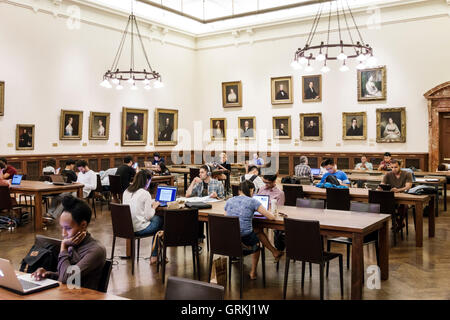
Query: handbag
40 257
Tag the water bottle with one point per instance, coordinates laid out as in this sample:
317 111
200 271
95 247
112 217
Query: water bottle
273 206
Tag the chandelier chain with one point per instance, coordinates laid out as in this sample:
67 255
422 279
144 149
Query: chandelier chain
356 26
143 48
348 29
119 51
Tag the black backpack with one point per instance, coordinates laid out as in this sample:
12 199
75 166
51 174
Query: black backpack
41 257
290 180
333 180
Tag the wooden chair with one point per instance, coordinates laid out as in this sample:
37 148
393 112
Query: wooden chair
116 188
291 194
338 199
187 289
106 273
368 239
225 238
6 202
180 229
123 228
304 243
311 203
386 199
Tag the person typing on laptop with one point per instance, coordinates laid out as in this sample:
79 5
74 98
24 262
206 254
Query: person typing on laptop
78 248
244 207
142 208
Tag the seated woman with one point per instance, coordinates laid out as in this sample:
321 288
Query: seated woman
78 248
244 207
142 207
3 181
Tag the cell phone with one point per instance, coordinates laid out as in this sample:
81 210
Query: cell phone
148 184
135 165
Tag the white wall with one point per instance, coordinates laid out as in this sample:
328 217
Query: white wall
48 67
416 57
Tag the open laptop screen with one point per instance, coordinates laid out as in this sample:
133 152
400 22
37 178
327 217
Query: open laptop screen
166 194
264 200
315 171
17 178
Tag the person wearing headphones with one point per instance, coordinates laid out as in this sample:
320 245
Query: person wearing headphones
204 185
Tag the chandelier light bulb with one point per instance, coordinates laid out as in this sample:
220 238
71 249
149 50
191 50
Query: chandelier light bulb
320 57
361 57
303 60
134 87
115 81
309 68
146 81
130 81
295 65
119 87
325 69
361 66
105 84
158 84
344 67
372 61
342 56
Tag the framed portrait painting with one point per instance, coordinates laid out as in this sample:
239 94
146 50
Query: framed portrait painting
281 127
99 126
281 90
311 126
71 125
247 127
2 98
218 127
312 88
391 125
354 126
25 137
166 127
372 84
232 94
134 127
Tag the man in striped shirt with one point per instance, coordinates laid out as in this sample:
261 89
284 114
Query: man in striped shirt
303 169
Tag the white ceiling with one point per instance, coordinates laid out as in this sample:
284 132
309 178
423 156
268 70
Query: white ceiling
208 9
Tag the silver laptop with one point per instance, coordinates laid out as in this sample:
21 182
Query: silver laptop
58 180
23 284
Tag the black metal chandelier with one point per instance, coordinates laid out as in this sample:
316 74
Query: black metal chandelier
132 77
338 50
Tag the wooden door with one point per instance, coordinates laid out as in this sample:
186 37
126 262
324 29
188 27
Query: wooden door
444 137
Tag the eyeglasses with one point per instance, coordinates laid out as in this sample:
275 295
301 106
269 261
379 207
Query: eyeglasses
330 169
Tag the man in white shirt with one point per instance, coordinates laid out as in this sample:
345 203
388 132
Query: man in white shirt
87 177
253 176
104 176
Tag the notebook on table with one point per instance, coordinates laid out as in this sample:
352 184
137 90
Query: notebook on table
264 200
22 284
166 194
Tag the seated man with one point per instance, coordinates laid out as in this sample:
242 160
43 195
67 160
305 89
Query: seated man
253 176
400 181
303 169
364 164
69 171
78 248
9 171
330 167
157 159
87 177
385 165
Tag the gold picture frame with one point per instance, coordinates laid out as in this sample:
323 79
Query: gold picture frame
71 125
281 97
378 87
278 131
359 131
134 127
2 98
395 132
230 98
313 134
23 140
312 95
97 130
166 132
250 133
218 133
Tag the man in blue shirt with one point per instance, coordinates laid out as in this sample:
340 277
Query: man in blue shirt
330 167
157 159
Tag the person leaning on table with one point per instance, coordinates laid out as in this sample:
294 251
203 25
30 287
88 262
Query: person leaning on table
400 181
244 207
78 248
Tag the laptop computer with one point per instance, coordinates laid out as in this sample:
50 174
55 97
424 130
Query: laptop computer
264 200
165 194
315 171
385 187
58 180
23 284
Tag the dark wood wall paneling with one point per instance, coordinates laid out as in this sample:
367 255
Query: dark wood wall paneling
32 165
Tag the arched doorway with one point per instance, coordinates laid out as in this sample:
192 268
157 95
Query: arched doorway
438 125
